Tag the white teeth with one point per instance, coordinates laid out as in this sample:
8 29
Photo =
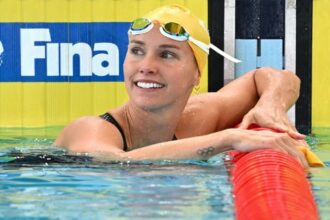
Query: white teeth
145 85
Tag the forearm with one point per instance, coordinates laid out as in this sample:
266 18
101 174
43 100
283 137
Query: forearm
206 146
201 147
276 87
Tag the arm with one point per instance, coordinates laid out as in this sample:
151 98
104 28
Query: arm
90 134
203 147
277 91
281 87
261 96
97 137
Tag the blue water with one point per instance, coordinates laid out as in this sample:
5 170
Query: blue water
320 177
38 181
34 186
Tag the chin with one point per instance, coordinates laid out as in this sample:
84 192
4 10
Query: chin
149 105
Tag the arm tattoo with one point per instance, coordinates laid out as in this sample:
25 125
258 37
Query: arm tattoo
205 152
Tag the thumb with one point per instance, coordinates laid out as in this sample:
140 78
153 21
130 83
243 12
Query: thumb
246 122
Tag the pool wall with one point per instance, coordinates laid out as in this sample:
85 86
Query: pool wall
321 64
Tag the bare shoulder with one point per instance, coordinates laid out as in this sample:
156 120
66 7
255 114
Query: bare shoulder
88 134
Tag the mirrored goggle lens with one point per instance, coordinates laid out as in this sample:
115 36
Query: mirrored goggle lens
140 23
175 29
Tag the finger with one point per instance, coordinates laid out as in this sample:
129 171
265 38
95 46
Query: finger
293 132
302 159
280 127
290 146
304 143
296 135
297 155
287 128
290 142
246 122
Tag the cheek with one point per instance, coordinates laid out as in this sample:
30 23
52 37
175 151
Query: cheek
127 67
190 72
194 71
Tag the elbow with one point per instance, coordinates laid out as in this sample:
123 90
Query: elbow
278 77
294 80
287 75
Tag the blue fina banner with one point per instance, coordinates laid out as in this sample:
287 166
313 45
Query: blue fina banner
62 52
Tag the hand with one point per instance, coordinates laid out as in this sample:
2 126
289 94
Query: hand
271 117
249 140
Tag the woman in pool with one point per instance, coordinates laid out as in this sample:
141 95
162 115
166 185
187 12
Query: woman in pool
161 121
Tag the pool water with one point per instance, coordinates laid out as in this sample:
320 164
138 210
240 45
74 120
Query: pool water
38 181
320 177
47 183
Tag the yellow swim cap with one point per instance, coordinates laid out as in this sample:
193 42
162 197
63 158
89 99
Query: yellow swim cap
193 25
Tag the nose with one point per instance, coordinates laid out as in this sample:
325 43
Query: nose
148 65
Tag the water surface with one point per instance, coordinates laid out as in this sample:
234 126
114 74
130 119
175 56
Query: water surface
38 181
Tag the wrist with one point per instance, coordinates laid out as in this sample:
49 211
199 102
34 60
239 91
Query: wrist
280 87
272 101
228 138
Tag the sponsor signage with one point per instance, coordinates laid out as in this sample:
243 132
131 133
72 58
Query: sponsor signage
62 52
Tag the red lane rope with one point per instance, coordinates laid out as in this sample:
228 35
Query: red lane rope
268 184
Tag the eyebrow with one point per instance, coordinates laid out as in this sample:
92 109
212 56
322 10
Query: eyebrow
169 46
137 42
161 46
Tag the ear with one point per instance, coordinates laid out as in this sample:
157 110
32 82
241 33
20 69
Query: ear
197 77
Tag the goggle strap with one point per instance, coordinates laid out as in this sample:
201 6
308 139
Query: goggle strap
224 54
206 48
199 44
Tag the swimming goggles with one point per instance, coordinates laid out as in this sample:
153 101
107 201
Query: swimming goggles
176 32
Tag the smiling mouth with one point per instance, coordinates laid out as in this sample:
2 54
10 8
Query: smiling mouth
149 85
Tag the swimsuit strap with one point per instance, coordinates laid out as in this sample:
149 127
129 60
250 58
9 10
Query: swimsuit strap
108 117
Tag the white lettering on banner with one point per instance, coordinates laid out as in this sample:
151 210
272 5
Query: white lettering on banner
29 51
52 59
112 59
68 51
1 51
1 48
59 56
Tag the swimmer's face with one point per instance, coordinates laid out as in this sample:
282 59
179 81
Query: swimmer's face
159 71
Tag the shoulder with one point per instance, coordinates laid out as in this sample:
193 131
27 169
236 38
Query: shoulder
89 133
86 123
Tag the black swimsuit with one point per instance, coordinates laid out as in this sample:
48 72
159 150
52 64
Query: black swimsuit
108 117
